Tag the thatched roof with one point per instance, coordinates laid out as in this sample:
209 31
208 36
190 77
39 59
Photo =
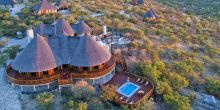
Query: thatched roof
44 5
44 53
63 28
36 57
41 29
81 28
150 14
61 4
89 53
7 2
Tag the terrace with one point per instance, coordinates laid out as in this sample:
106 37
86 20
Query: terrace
144 88
64 76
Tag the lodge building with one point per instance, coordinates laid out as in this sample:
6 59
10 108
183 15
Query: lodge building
60 55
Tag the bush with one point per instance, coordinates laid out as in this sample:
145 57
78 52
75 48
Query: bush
213 86
45 100
12 51
177 102
108 92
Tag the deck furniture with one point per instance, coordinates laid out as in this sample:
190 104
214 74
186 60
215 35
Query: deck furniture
146 83
122 97
138 80
142 81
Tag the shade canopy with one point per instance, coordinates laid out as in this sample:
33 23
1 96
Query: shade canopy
36 57
81 28
45 53
44 5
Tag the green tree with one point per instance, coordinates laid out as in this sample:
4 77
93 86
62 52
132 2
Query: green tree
12 51
163 87
213 86
45 100
178 82
83 106
145 69
108 92
177 102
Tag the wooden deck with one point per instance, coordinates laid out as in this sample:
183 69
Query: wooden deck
120 78
63 76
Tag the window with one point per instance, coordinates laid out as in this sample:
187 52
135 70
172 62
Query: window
33 74
85 68
96 67
45 73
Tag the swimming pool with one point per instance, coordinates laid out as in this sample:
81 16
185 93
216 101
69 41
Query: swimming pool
128 89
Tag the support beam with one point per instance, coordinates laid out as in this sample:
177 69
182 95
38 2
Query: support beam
48 86
93 81
21 88
60 89
104 79
12 84
72 87
34 88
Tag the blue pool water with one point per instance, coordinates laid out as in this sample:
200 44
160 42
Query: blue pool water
128 89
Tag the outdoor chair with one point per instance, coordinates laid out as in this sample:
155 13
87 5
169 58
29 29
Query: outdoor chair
146 83
138 80
122 97
131 102
142 81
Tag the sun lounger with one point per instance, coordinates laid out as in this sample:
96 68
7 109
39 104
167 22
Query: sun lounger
142 81
122 97
146 83
131 102
127 100
138 80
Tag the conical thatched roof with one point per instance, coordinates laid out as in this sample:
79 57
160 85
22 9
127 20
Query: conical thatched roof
7 2
44 5
63 28
36 57
81 28
150 14
41 29
45 53
89 53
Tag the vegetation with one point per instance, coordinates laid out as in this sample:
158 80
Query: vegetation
177 51
83 97
45 100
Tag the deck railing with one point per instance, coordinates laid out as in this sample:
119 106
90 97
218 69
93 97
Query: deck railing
146 96
57 76
32 82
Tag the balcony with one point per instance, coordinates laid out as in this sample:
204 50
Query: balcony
64 76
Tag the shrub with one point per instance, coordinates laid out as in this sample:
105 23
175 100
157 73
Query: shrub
12 51
108 92
213 86
177 102
45 100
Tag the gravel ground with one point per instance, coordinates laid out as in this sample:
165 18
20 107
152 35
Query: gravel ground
8 96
